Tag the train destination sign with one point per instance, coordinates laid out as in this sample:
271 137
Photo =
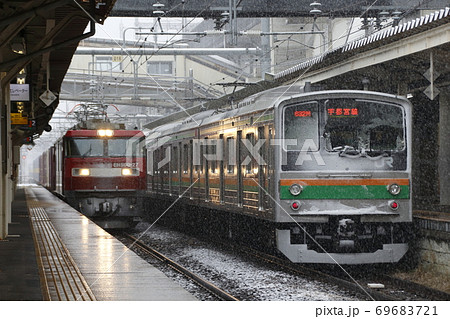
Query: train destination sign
334 112
302 113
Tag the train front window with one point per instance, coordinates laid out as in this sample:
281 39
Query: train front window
301 127
118 147
350 134
84 147
363 127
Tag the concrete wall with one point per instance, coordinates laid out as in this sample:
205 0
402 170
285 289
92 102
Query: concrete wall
444 146
425 152
434 252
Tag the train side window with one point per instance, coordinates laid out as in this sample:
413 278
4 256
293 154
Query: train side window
231 152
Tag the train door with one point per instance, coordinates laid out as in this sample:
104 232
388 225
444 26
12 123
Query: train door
262 172
191 171
221 163
165 177
270 161
205 147
239 169
230 173
185 180
250 172
179 172
173 170
214 153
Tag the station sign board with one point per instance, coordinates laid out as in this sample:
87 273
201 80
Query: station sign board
20 92
18 119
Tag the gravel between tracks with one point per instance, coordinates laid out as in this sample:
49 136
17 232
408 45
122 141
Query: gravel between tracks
245 279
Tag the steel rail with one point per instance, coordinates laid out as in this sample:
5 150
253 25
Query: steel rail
202 282
410 287
431 293
316 274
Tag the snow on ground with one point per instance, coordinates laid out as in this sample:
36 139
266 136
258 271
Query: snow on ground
244 279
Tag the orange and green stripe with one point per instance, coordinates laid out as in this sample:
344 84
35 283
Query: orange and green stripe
344 188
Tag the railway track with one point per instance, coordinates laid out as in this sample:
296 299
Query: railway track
395 289
216 291
304 271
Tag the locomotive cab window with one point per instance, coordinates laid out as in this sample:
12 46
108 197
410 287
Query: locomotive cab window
117 147
301 125
94 147
84 147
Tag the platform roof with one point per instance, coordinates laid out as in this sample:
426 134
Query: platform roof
213 9
41 36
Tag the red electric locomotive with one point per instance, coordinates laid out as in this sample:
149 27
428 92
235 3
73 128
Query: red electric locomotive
101 171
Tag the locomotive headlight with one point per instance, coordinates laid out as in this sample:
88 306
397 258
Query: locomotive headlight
85 172
127 171
105 133
81 172
394 189
295 189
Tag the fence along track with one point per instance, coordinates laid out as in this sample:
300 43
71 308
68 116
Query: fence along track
60 277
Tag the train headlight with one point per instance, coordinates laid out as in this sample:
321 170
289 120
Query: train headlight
394 189
85 172
295 189
105 133
81 172
127 171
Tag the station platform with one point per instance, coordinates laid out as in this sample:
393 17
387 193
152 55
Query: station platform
433 223
54 252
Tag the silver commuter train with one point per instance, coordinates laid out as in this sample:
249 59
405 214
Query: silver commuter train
327 173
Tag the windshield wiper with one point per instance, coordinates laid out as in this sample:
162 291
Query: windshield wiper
88 151
351 152
348 151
